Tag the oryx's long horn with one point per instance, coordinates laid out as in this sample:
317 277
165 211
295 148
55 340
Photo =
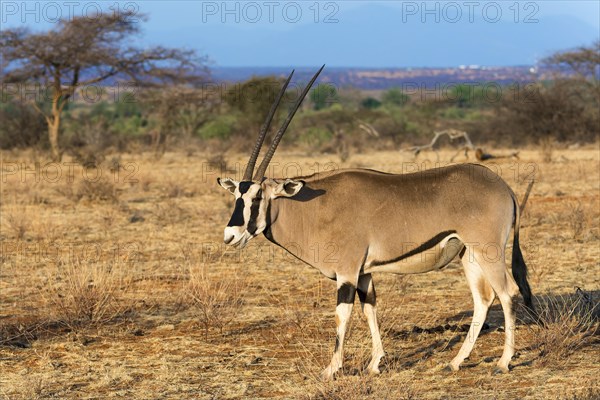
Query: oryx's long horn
263 131
260 173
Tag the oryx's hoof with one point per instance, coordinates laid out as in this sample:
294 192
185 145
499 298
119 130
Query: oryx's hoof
329 373
500 370
450 368
373 371
373 367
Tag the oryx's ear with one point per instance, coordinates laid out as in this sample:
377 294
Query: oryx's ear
228 184
288 188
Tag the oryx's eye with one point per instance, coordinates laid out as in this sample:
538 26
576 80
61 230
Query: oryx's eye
258 197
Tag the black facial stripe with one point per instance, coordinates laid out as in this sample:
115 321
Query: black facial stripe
254 208
346 293
244 186
237 218
425 246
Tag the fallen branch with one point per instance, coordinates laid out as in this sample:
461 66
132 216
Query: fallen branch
455 134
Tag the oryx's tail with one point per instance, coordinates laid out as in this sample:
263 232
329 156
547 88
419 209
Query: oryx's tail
519 268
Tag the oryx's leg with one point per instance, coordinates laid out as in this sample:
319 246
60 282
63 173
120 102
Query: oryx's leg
483 297
346 292
496 274
366 294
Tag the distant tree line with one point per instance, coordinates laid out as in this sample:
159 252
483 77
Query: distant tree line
170 104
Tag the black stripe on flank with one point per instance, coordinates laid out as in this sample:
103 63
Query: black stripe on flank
237 218
425 246
254 208
346 293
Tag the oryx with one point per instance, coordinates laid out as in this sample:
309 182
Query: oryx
380 222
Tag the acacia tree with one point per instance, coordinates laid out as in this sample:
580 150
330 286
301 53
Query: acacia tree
178 109
564 106
584 62
253 99
87 50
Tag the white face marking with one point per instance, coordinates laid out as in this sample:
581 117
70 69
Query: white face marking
249 215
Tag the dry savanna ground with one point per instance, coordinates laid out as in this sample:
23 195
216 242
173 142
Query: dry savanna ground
119 286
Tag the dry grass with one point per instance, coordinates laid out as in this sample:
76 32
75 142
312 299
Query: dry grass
546 149
81 294
566 324
101 189
123 288
353 382
577 219
215 299
18 222
359 387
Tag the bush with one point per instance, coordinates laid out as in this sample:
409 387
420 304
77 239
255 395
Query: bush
316 136
454 113
395 97
83 294
370 103
566 324
100 190
215 299
21 126
220 128
324 96
563 110
252 100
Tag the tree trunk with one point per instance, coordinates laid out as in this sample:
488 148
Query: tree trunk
53 127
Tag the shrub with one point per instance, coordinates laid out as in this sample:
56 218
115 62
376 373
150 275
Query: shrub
324 96
316 136
98 190
566 324
220 128
454 113
395 97
18 221
216 300
84 294
370 103
21 126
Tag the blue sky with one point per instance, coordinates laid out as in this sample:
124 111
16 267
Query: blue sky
347 33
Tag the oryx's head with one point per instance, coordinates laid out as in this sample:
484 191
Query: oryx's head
253 195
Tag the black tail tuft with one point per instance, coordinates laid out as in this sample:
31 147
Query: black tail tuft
519 271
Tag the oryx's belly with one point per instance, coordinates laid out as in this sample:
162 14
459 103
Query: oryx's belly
418 260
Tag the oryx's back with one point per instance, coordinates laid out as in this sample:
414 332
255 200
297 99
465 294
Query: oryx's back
381 203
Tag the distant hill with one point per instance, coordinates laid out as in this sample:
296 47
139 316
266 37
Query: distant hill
385 78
